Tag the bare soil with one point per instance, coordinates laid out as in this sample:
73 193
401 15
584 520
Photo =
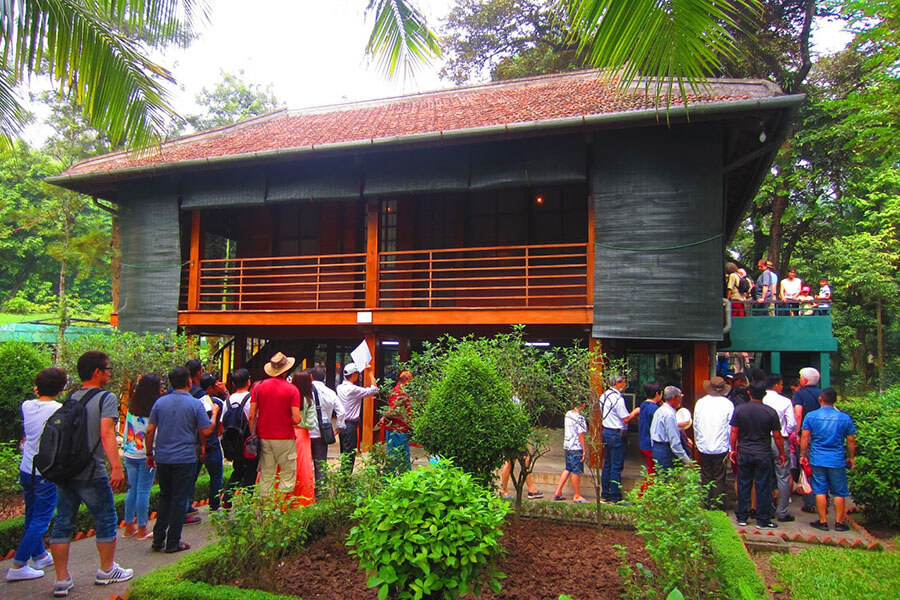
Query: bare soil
777 590
12 506
544 559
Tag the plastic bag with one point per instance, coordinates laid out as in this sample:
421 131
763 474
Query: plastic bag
803 486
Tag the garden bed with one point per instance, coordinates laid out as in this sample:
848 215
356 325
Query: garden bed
544 559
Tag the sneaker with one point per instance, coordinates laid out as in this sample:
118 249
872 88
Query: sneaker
535 495
22 573
191 510
43 562
809 509
742 523
61 588
114 575
786 518
767 525
841 527
192 520
559 498
819 525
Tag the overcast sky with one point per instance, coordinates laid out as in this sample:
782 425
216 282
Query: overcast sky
310 51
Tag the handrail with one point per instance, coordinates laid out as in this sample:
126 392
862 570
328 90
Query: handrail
792 308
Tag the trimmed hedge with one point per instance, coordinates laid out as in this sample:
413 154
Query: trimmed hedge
739 577
11 530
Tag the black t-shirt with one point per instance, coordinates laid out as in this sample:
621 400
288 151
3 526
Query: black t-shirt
755 422
739 395
808 398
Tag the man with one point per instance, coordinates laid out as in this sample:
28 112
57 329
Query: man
712 426
351 397
822 447
752 427
92 485
823 298
653 395
213 388
781 405
177 422
767 282
195 367
664 433
328 405
274 410
806 400
615 418
733 290
244 473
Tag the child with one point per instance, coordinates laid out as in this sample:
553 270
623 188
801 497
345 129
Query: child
576 427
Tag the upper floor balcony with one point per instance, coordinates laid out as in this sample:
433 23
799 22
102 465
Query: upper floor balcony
780 327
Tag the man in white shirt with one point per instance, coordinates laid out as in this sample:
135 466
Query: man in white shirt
351 397
785 410
712 427
328 405
615 418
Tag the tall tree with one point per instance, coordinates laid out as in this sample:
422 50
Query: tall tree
232 100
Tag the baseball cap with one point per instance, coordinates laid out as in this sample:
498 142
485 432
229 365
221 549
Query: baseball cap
350 369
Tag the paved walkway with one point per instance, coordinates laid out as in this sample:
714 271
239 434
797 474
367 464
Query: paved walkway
83 564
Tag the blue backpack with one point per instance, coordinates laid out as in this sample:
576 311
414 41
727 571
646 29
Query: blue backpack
235 429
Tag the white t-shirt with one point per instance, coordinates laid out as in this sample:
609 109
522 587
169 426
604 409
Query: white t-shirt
790 288
785 410
613 409
34 416
236 400
575 424
712 424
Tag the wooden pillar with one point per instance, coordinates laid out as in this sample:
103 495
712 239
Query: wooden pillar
824 370
403 349
330 360
595 345
240 351
699 372
194 268
368 407
591 239
372 254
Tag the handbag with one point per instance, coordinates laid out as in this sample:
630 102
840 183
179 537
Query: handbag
251 447
325 428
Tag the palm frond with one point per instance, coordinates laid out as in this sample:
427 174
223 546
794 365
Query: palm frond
400 37
667 43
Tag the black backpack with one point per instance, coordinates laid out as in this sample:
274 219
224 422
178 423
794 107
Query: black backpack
63 452
744 285
236 428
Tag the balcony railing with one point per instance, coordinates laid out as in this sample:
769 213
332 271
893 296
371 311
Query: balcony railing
798 308
545 276
323 282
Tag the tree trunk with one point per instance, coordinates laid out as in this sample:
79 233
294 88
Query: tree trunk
776 231
63 311
879 359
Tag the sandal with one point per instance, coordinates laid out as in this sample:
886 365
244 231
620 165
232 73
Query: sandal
181 546
156 548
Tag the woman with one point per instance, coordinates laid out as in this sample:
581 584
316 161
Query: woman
140 476
40 494
305 488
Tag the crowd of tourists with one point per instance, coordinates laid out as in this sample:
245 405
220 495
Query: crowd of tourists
770 295
275 432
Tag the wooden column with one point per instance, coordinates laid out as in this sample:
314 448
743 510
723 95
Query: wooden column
775 362
824 370
591 239
196 254
596 427
240 351
699 372
368 407
403 349
330 360
372 254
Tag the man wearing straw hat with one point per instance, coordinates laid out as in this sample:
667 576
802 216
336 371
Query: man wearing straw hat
274 410
712 428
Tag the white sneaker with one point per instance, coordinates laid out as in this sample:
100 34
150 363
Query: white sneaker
42 563
61 588
114 575
22 573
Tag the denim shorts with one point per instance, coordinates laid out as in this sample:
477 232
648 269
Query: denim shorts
575 461
830 478
97 496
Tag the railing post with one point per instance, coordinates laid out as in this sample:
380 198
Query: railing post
318 280
194 268
527 276
430 276
241 285
372 215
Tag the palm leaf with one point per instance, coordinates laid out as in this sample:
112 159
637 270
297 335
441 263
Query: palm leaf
400 37
667 43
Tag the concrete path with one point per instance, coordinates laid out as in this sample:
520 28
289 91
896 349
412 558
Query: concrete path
83 564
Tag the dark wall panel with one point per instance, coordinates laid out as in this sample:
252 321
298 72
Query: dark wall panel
151 257
658 202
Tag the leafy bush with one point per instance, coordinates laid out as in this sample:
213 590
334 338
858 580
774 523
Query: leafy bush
19 305
432 533
669 516
19 363
9 469
739 578
470 416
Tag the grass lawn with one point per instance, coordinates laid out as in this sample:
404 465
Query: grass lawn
839 574
11 318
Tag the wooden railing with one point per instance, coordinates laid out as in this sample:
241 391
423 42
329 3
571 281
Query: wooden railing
544 276
323 282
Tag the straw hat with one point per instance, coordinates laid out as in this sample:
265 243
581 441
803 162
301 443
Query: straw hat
278 364
716 386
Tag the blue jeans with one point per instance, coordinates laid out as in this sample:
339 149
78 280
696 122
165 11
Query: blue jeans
140 480
175 484
613 461
213 462
398 451
40 500
97 496
663 456
760 470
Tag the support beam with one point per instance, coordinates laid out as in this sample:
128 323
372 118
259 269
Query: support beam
368 407
240 351
824 370
595 345
403 349
194 268
372 214
775 362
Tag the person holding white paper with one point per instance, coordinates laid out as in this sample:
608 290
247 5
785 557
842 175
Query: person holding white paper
351 396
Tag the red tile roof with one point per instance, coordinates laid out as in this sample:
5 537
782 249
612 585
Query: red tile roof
519 101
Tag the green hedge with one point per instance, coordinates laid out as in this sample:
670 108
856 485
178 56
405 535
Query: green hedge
739 577
11 530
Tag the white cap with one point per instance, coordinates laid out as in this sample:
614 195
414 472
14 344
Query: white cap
350 369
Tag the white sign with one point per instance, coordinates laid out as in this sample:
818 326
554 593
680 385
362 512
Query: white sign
361 356
364 316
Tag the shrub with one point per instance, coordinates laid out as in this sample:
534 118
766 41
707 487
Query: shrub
875 480
432 533
739 578
9 469
19 363
470 417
